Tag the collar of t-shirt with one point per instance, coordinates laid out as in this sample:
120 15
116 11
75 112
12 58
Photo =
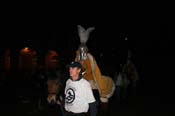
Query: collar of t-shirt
80 77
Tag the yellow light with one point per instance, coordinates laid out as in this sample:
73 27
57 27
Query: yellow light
26 48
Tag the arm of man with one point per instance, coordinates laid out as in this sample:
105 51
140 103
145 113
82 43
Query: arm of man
91 100
93 108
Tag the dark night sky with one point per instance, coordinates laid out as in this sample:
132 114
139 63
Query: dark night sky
147 32
145 26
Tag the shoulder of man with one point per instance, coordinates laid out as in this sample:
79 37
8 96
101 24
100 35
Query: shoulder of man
68 80
85 81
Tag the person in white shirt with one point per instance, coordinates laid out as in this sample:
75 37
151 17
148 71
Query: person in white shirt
79 98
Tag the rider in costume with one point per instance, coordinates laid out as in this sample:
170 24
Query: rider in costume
103 84
131 73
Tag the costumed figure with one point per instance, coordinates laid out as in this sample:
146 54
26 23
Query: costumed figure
103 84
54 99
131 74
53 87
55 82
121 82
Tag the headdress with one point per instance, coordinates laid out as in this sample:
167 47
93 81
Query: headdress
84 36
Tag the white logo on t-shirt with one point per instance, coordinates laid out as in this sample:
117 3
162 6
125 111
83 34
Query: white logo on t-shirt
70 95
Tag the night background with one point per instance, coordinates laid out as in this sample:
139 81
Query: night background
148 37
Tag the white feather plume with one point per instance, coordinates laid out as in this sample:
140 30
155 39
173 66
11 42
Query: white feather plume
84 33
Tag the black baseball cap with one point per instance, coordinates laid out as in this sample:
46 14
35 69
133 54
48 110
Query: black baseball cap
75 64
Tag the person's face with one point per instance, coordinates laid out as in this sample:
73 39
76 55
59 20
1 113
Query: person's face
81 62
74 72
83 53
